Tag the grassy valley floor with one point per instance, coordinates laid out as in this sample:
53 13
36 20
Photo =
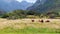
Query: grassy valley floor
26 26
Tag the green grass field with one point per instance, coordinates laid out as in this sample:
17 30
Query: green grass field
29 30
27 27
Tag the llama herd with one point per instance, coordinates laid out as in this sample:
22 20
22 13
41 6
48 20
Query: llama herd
42 21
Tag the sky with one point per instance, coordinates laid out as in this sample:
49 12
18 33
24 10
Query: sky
31 1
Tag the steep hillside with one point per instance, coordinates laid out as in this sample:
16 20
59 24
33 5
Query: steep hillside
44 6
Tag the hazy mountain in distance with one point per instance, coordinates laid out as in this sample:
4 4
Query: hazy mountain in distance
13 5
25 5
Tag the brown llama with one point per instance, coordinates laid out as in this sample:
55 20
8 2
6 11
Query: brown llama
32 20
47 21
41 21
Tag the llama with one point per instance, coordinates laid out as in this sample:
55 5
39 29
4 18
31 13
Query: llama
47 21
32 20
41 21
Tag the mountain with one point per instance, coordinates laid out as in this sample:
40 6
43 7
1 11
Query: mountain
25 5
45 6
9 5
2 12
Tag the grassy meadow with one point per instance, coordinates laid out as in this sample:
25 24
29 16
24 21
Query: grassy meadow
26 26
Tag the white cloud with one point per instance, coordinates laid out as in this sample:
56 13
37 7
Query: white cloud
31 1
19 0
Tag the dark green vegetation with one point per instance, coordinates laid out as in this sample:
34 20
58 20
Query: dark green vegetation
19 14
29 30
16 14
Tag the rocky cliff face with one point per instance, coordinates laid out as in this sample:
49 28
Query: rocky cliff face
45 6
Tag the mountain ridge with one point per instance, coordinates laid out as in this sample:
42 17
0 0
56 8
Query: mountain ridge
46 6
14 5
